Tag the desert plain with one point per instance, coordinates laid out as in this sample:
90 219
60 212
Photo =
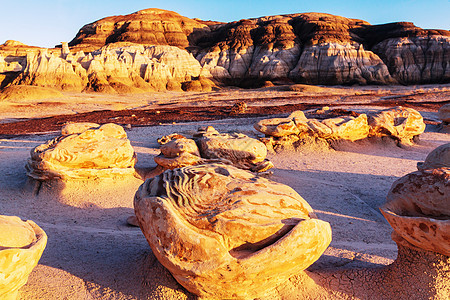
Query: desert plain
154 82
92 253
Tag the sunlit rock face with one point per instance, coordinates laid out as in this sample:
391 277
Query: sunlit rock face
340 128
150 26
400 122
21 247
335 63
116 68
225 233
210 146
417 59
83 152
418 205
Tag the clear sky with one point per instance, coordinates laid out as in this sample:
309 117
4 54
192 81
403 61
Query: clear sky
47 23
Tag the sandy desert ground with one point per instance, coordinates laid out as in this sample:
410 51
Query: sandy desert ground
93 254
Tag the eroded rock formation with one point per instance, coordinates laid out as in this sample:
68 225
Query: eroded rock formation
149 27
21 247
209 146
310 48
83 151
402 124
115 68
225 233
325 49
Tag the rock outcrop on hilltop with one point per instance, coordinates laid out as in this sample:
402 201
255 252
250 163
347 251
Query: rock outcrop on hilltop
171 51
149 26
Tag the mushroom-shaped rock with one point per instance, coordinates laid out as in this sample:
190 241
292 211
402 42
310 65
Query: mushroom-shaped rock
225 233
399 122
242 151
438 158
418 209
21 247
101 152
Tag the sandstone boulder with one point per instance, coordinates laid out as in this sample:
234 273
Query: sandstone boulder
277 127
178 152
400 122
242 151
418 206
444 113
438 158
103 152
418 209
345 128
224 233
21 247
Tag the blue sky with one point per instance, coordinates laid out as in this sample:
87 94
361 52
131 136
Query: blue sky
47 23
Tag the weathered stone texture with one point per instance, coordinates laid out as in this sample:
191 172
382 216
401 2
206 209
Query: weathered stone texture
224 233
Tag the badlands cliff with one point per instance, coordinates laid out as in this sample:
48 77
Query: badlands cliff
155 49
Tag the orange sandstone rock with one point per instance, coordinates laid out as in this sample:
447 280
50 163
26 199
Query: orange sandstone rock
224 233
21 247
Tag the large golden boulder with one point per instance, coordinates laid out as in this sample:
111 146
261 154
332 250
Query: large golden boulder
225 233
21 247
84 151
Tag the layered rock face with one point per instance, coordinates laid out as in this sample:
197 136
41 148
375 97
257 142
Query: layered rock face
21 247
113 69
150 26
310 48
225 233
325 49
84 151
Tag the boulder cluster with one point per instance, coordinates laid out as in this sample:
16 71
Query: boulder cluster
400 123
208 145
225 231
